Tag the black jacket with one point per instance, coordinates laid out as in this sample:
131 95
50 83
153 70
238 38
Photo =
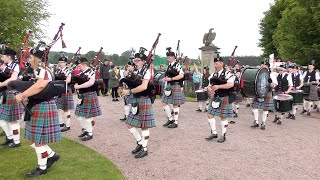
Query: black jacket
104 71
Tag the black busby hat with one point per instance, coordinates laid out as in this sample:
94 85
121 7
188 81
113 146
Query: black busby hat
216 59
9 52
141 56
265 62
63 59
311 63
81 60
39 54
170 53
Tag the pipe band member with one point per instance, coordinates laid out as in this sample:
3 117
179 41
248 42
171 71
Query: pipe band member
128 99
297 81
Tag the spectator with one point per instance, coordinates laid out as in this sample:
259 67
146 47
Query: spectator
105 76
114 82
196 77
162 68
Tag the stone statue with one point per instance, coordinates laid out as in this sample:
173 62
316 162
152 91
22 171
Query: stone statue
207 40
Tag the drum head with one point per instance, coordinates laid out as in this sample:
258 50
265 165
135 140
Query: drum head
296 91
262 85
158 77
283 97
200 90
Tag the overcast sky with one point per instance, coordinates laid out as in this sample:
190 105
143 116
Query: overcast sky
119 25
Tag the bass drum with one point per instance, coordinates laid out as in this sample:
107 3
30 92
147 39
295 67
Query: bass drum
158 81
254 82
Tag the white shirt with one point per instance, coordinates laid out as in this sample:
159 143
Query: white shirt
229 76
317 75
296 74
16 68
289 78
178 67
43 72
90 74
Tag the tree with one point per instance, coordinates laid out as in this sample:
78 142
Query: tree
268 25
20 16
297 36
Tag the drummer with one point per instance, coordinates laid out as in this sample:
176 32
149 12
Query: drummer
235 105
297 81
204 84
266 105
284 86
311 78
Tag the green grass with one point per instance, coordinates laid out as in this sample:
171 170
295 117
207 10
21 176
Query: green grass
76 162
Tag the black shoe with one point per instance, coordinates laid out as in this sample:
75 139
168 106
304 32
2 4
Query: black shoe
248 105
222 138
199 110
212 136
275 119
142 153
308 114
263 126
289 116
304 111
255 124
124 119
86 137
12 145
52 160
62 125
6 142
137 149
293 117
64 129
83 134
168 123
113 100
235 115
232 122
279 122
173 125
206 110
117 99
36 172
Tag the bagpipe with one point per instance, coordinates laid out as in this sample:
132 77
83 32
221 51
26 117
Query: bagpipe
24 51
54 88
133 83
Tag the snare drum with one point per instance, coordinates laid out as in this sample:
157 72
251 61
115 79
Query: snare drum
283 102
202 95
297 96
255 82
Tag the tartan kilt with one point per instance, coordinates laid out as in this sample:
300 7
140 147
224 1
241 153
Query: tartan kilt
239 98
11 111
65 102
90 106
224 110
145 116
176 97
313 96
267 104
43 127
128 99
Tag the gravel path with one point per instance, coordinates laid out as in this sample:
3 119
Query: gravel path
289 151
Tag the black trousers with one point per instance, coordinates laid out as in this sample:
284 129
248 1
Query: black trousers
114 93
106 86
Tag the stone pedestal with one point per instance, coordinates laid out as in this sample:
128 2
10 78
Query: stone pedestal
207 57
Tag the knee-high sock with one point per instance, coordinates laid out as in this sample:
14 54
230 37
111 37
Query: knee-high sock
256 115
6 128
224 125
168 112
145 136
176 114
126 110
68 121
15 128
89 127
294 109
200 105
212 123
237 108
207 105
49 150
61 117
309 106
171 106
82 122
42 156
134 131
264 116
305 105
